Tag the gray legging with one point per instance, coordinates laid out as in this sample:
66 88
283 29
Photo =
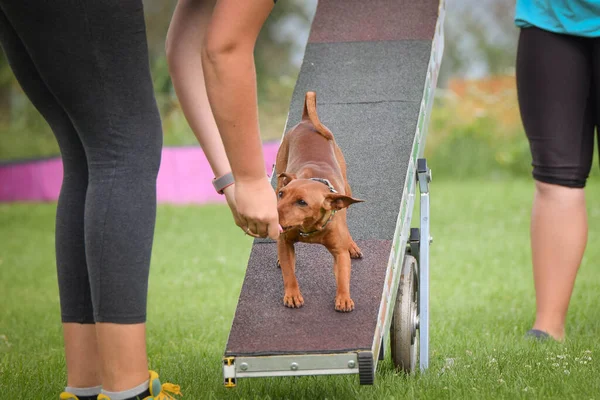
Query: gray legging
84 66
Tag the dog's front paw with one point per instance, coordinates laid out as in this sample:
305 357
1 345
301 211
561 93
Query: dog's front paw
293 299
354 251
343 303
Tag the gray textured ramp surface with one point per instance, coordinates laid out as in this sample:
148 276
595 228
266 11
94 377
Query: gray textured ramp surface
360 20
369 95
376 139
367 61
362 72
264 326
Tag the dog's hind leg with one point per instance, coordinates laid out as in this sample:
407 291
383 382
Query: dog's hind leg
353 248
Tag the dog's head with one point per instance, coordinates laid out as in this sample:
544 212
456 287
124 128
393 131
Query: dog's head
303 203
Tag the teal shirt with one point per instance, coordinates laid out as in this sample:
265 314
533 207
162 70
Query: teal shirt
573 17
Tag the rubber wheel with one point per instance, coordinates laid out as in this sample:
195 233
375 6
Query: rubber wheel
404 340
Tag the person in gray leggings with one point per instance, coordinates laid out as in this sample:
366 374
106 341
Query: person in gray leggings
84 66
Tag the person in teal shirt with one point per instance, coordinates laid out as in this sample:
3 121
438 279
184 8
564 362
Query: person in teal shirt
558 89
573 17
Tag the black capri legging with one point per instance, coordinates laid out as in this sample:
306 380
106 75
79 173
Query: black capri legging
84 66
558 82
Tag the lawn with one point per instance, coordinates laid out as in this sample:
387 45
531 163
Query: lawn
482 301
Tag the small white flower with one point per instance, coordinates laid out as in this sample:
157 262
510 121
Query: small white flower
528 366
567 372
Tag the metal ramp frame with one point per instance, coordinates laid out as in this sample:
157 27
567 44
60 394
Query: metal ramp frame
374 66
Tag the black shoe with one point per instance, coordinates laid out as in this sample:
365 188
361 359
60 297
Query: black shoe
537 334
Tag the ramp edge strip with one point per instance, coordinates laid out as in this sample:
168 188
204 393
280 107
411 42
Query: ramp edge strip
408 194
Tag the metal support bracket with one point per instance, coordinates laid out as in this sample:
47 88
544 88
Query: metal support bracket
229 372
413 241
424 178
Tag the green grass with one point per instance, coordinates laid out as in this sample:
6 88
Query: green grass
482 301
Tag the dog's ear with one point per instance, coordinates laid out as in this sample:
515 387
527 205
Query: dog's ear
338 201
285 178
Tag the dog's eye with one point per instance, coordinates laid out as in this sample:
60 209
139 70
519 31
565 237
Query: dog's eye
280 194
301 202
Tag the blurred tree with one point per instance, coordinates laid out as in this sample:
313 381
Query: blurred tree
6 82
275 50
480 39
158 17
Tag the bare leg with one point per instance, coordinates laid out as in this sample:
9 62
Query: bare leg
558 240
81 350
123 355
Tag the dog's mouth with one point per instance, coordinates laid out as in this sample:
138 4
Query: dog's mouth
291 227
301 228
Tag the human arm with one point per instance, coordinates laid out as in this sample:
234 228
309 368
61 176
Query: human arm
230 76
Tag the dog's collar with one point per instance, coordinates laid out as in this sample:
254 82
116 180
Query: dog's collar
307 234
326 183
332 190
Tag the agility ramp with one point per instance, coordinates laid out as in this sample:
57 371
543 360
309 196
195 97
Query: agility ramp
374 67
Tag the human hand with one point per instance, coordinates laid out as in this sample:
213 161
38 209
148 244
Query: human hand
229 193
256 206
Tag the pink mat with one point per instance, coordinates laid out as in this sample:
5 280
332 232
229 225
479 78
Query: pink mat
184 177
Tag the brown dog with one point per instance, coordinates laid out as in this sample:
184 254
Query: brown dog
313 194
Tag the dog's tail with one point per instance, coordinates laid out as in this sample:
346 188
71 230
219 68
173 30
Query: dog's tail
310 114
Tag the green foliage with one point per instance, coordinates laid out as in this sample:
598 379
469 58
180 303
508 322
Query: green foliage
475 148
480 38
478 147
